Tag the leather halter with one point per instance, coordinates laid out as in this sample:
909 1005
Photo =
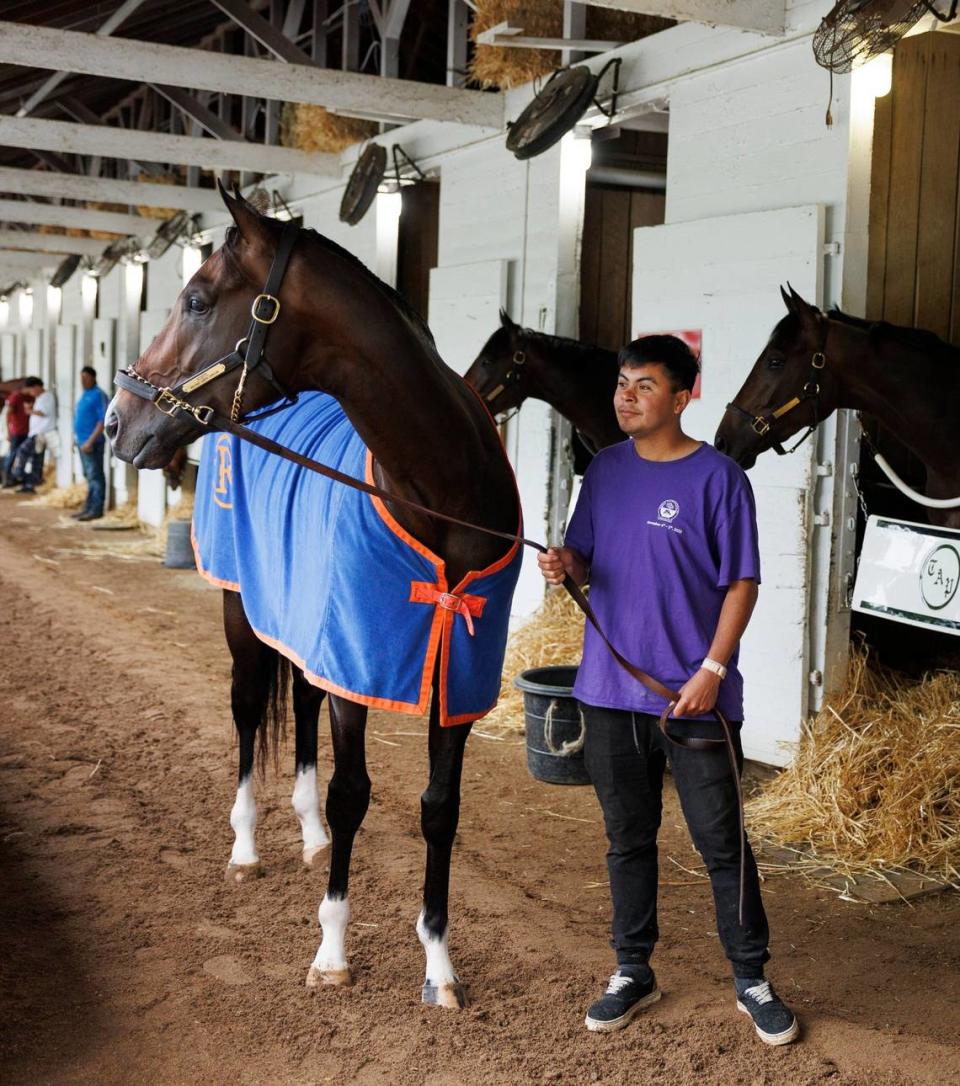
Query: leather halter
263 313
513 376
170 402
762 424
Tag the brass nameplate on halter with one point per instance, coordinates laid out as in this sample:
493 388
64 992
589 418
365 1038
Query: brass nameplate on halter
204 376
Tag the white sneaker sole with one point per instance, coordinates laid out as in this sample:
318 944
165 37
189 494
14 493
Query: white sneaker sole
595 1025
783 1038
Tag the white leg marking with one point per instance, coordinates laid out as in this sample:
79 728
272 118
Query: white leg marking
441 984
330 965
243 819
306 803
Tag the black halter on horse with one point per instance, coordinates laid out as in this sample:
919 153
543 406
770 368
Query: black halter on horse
811 392
170 401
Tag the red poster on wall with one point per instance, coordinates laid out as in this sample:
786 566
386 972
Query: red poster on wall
693 339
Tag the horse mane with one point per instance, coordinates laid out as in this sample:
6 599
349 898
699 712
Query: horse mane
568 350
392 295
918 338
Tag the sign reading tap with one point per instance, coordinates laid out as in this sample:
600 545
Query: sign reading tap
910 573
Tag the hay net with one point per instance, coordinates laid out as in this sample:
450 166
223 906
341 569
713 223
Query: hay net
875 784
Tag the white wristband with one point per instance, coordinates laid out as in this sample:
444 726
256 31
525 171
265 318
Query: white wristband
716 668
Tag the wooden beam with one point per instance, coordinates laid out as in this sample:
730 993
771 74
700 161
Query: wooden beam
26 260
55 186
123 143
270 37
762 16
51 243
104 30
197 111
125 58
29 211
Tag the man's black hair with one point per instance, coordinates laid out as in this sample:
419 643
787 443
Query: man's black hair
33 382
91 371
670 352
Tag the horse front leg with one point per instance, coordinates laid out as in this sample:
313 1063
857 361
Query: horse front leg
439 815
307 700
348 797
253 666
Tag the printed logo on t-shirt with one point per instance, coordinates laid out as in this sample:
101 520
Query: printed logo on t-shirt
668 510
667 513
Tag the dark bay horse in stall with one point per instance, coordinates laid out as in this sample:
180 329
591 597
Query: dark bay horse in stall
577 380
343 332
816 362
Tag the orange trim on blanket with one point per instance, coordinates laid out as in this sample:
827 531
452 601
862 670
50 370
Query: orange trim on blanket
204 573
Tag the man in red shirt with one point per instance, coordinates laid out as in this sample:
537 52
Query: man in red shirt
18 424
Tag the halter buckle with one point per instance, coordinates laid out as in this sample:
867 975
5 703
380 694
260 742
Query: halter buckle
819 360
275 302
166 397
519 358
203 415
760 426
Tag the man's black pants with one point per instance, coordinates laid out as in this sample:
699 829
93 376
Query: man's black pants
626 755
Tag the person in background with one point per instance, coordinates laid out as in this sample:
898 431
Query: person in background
18 426
28 465
88 434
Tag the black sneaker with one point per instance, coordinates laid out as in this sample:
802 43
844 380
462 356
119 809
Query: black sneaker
775 1023
625 996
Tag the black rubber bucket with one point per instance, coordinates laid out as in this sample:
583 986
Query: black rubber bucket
555 728
179 550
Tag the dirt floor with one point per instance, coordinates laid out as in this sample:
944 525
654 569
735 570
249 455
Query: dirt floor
125 957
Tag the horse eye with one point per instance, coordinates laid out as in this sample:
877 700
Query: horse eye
196 304
775 363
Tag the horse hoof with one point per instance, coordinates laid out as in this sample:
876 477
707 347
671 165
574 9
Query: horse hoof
338 978
312 855
237 873
450 994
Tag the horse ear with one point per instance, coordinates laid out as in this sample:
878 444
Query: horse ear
505 320
787 300
246 217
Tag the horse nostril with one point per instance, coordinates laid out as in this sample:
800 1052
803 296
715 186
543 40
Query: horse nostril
111 425
720 444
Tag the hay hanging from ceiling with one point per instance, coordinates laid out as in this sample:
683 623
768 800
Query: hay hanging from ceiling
312 128
553 635
875 785
505 67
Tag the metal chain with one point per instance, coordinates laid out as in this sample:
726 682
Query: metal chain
238 396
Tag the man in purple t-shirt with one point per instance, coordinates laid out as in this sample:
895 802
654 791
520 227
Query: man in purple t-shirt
665 533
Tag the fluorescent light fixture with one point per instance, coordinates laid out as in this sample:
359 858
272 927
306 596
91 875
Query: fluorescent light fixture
190 260
88 290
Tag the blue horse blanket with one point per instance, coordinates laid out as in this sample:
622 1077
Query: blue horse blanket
334 583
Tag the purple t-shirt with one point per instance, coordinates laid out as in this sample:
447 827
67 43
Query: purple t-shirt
664 540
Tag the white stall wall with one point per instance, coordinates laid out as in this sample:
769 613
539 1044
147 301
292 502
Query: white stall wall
68 383
722 287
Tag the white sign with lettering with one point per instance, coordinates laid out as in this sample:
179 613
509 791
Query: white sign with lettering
910 573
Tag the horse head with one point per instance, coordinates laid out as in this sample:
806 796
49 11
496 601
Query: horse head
789 387
205 323
499 372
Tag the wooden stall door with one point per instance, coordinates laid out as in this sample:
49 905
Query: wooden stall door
913 274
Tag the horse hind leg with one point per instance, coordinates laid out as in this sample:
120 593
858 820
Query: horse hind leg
439 816
307 700
256 694
348 797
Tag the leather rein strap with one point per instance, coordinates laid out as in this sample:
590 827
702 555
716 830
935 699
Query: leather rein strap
170 402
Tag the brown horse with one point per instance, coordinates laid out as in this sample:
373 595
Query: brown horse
577 380
816 362
341 331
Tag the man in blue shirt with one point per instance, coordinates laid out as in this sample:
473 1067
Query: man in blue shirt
88 433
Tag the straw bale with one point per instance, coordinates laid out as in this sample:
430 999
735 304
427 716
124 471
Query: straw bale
553 636
875 784
504 67
313 128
